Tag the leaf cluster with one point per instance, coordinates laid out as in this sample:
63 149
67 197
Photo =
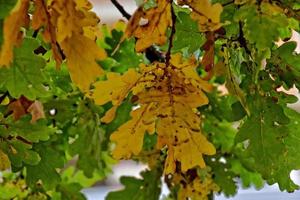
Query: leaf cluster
197 90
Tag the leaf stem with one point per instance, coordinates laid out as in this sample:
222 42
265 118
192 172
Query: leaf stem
173 30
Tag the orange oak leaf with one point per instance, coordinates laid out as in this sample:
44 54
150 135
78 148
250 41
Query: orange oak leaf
23 106
12 34
150 26
19 107
36 110
41 19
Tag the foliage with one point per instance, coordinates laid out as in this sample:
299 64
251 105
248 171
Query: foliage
197 90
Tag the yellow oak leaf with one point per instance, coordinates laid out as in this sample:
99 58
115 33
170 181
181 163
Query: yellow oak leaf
4 161
206 14
168 97
82 53
198 188
12 34
71 18
150 26
179 130
114 89
129 137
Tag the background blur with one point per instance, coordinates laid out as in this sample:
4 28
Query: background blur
108 15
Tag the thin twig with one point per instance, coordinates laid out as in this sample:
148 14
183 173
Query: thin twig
173 30
228 3
121 9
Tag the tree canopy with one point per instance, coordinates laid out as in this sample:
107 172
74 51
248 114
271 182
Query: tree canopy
195 89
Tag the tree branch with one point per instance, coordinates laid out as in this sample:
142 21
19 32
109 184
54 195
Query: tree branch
121 9
173 30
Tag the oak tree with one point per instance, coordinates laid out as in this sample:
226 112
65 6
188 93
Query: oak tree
196 89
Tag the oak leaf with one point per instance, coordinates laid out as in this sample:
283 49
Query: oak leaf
12 31
19 107
82 54
71 18
41 19
130 136
4 161
23 106
199 188
167 97
150 26
114 89
36 109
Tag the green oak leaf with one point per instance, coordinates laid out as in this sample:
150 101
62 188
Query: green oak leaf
148 188
61 110
25 75
227 16
290 159
88 143
18 138
187 34
126 56
149 142
223 177
247 177
70 191
285 63
45 170
123 55
32 132
221 132
60 81
19 152
255 24
233 61
265 135
72 175
225 107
